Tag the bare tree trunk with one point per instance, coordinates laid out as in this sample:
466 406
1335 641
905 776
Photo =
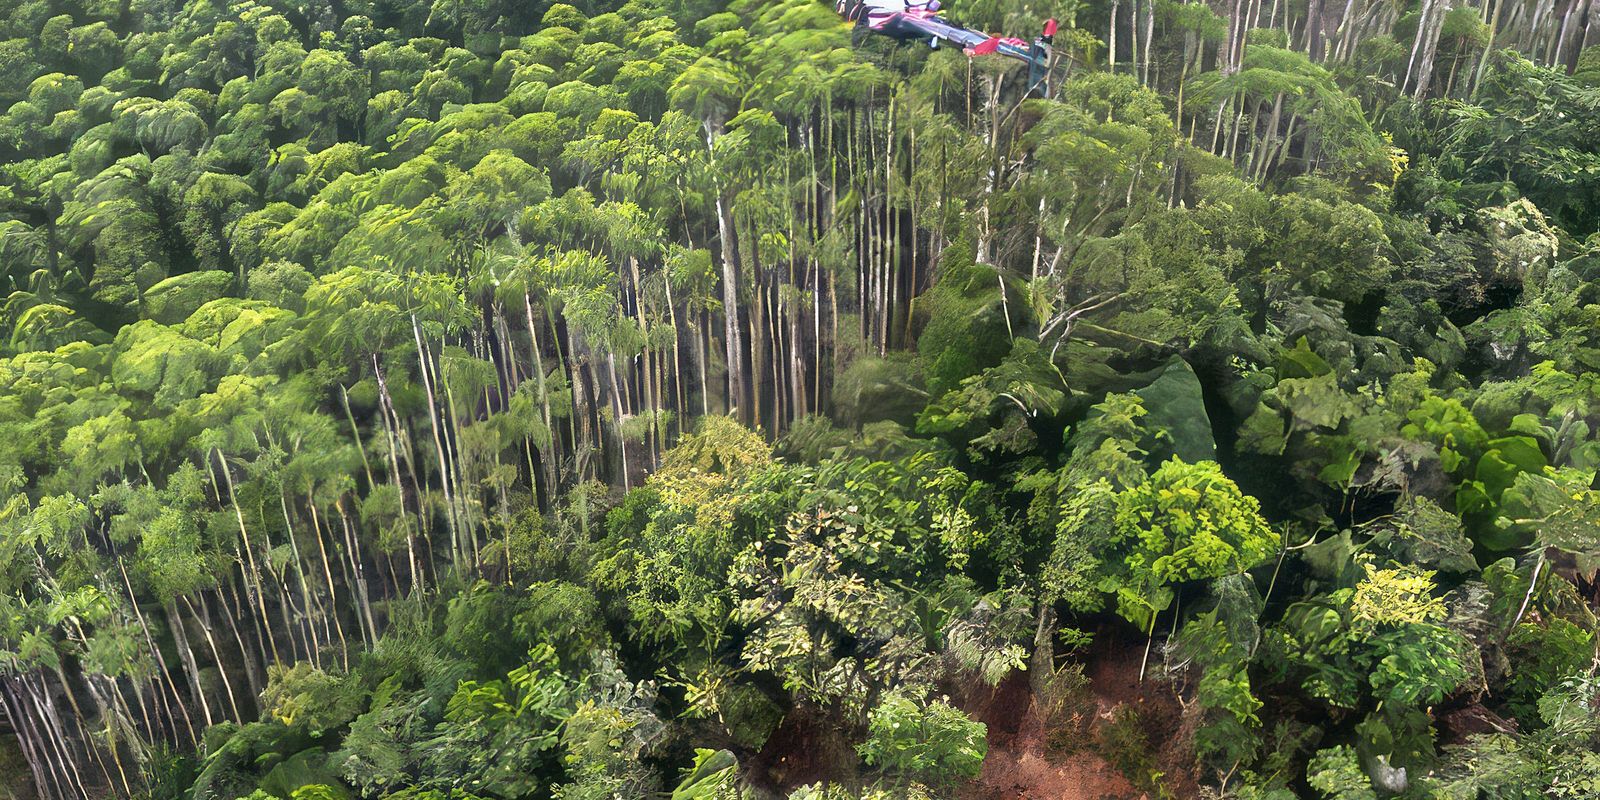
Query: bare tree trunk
186 655
1493 11
327 576
702 334
388 413
1591 29
362 593
621 414
759 343
57 759
52 720
253 583
773 314
1562 35
161 660
547 459
233 608
797 362
680 405
40 768
730 282
251 673
650 399
1042 661
355 431
1111 38
1427 44
1314 30
216 656
464 495
300 576
426 369
1341 33
1259 161
1150 37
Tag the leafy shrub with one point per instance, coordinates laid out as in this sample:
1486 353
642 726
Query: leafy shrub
931 741
1336 773
1541 656
305 696
1187 522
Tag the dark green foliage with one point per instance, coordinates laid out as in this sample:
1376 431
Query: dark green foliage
593 401
1541 656
966 329
1218 645
1176 408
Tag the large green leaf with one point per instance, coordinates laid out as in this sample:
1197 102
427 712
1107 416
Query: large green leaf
1174 403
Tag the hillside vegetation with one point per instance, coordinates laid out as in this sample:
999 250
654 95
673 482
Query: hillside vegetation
693 399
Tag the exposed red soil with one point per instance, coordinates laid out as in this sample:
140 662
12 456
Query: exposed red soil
1026 761
1032 775
1112 665
1020 765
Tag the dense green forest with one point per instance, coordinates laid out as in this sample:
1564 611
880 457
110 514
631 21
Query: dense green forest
693 399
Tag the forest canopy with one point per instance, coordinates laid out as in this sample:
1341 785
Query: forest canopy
696 399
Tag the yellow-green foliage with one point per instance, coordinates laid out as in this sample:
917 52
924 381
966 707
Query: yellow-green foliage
705 463
304 695
1394 596
1187 522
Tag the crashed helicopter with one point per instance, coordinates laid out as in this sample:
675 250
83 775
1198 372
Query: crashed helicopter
919 21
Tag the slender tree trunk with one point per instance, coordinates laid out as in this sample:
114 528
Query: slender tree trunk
186 655
620 416
702 334
426 369
547 458
362 593
650 396
1259 160
161 660
465 495
1561 36
252 673
40 767
81 720
42 694
680 405
1424 26
1111 38
59 763
387 412
233 609
797 362
579 361
300 577
775 359
1591 29
1429 49
355 431
730 282
216 656
152 721
254 579
327 576
1347 21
